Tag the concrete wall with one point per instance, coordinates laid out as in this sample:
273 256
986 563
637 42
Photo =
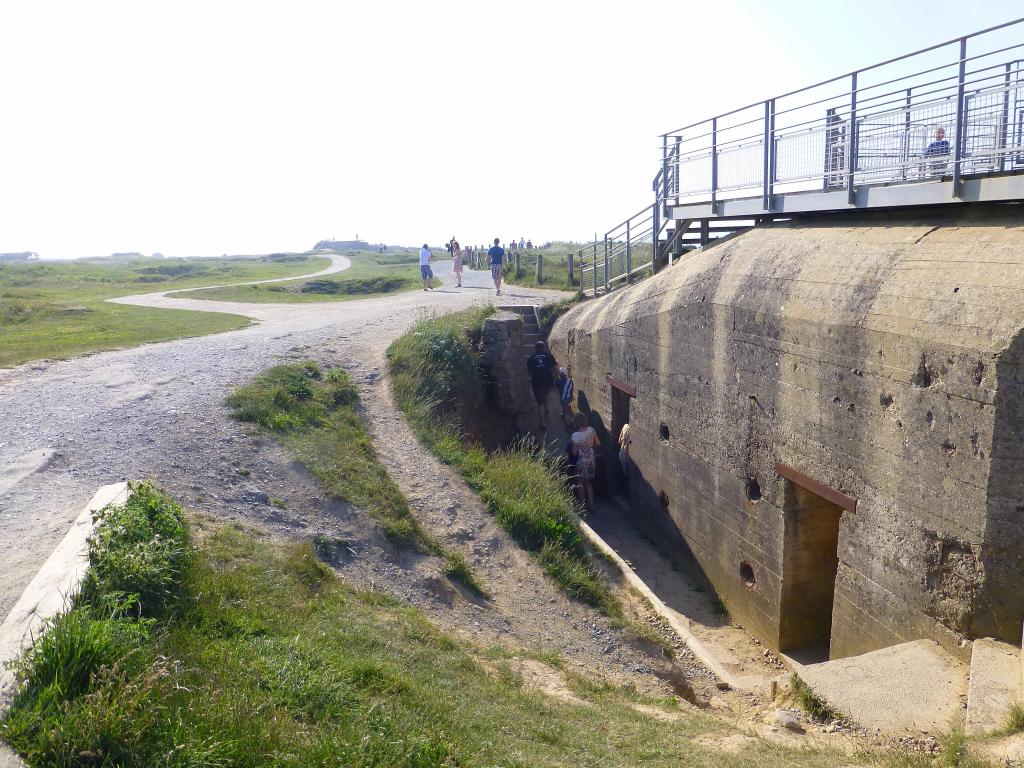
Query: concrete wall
880 356
507 385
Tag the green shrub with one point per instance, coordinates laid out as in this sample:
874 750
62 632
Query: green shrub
139 550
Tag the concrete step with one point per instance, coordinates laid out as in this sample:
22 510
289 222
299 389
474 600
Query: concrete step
995 684
908 688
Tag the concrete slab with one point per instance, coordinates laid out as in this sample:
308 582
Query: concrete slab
23 466
910 688
48 591
675 620
1005 751
995 684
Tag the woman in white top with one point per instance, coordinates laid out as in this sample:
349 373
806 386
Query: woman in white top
624 441
584 441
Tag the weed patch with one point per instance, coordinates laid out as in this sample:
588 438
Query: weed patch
1014 719
314 416
810 702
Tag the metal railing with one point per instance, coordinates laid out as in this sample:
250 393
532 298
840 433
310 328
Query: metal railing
951 110
624 252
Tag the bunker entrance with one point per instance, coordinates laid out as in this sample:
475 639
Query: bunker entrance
615 472
809 564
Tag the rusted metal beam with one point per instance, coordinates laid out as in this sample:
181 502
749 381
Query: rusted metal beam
812 485
621 385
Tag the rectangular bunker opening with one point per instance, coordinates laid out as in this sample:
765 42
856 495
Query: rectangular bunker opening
617 480
810 559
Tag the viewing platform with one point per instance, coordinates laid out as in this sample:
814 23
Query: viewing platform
940 126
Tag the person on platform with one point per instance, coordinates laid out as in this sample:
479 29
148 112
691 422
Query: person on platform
938 149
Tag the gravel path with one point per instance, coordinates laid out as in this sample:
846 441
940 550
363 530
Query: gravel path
157 411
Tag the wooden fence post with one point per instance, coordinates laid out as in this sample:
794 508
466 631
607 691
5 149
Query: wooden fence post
540 269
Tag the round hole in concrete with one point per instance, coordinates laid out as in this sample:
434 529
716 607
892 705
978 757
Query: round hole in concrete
747 573
663 432
753 490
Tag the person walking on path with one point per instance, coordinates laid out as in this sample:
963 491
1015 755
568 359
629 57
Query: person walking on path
584 441
541 366
496 257
425 272
457 262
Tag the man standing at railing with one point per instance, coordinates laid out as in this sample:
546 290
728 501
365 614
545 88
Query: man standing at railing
496 256
938 148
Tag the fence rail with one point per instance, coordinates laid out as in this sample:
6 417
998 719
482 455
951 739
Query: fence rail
627 250
951 110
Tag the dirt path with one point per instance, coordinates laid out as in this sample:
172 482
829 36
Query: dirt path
157 411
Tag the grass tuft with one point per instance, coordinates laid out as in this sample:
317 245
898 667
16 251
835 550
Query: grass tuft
810 702
314 415
457 569
1014 719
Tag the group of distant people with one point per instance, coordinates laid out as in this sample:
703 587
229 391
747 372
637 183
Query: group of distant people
495 258
522 245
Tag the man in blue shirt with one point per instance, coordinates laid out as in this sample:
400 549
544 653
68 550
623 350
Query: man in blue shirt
496 255
938 149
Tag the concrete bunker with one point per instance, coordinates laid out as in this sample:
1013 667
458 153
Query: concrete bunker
877 356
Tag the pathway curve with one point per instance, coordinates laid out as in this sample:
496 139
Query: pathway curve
169 299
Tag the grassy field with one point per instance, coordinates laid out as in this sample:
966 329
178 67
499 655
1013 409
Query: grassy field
196 644
57 309
313 413
555 272
371 274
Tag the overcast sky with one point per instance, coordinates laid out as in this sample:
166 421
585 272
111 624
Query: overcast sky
201 128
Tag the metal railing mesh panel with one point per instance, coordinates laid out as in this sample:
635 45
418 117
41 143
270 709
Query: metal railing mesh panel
952 109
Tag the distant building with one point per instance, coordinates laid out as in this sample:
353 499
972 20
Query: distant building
338 245
20 256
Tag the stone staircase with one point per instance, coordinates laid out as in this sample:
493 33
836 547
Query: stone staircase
531 325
